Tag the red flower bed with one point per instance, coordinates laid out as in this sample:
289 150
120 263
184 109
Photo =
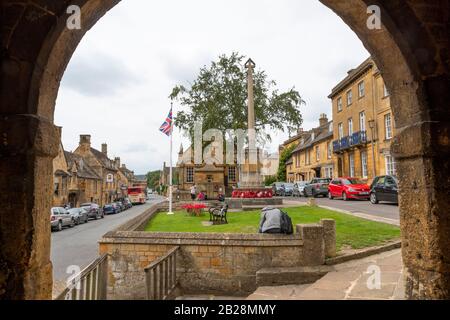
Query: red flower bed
252 194
194 208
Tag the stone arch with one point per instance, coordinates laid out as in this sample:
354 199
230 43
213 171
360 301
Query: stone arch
411 50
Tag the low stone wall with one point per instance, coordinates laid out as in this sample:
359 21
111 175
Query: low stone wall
207 262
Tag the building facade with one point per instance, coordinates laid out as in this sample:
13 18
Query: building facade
212 178
363 124
103 167
313 156
61 178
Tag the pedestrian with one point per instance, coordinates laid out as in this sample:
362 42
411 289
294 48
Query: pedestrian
193 192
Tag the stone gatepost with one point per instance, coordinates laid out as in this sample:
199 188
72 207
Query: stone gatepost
329 235
312 236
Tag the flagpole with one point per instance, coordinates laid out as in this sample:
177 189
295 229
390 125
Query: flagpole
170 168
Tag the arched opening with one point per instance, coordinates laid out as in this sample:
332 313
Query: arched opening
411 50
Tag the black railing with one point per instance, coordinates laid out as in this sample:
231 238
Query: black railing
89 284
161 276
356 139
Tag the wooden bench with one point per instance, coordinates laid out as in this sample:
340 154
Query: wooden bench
218 215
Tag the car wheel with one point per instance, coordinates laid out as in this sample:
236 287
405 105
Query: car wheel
78 221
60 227
96 216
344 196
330 196
72 223
373 198
103 215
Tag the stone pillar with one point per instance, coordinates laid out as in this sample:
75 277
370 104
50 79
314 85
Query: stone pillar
423 152
329 235
313 243
28 145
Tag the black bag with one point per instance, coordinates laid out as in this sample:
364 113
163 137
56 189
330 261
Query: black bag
286 223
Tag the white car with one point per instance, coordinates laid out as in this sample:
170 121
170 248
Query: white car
60 218
299 188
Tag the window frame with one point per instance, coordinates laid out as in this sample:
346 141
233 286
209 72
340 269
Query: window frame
362 85
189 172
349 95
388 126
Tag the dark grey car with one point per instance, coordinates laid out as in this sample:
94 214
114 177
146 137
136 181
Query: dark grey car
80 215
317 187
93 210
384 188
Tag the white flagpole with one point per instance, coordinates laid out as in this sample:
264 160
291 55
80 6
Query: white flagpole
170 168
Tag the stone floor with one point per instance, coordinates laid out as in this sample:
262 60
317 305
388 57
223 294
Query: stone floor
349 281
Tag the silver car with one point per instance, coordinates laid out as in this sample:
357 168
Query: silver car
60 218
299 188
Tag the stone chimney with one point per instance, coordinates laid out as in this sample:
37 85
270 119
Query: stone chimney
105 149
300 131
323 119
59 129
85 142
117 162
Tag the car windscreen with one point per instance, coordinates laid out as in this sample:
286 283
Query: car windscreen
289 185
73 211
323 181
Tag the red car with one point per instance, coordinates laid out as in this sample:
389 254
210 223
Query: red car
348 188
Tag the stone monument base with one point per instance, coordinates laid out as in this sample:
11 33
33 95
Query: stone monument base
240 203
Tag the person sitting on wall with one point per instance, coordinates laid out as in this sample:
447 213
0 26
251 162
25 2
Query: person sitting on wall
201 196
270 220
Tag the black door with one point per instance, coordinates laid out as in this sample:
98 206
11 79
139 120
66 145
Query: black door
391 190
379 189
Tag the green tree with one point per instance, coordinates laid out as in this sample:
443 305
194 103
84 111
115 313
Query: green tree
268 181
286 154
218 98
153 178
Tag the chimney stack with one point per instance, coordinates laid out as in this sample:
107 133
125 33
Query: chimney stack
117 162
105 149
85 142
323 119
300 131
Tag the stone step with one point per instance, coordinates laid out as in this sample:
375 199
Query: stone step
290 292
290 276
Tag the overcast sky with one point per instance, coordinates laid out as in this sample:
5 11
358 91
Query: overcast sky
117 84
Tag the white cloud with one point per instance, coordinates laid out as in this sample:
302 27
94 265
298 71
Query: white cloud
117 85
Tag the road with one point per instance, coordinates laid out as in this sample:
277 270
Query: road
78 246
383 210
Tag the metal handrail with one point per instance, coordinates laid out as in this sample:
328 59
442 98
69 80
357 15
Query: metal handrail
161 276
90 283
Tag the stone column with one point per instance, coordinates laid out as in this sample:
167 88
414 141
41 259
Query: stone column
28 145
312 236
423 152
329 235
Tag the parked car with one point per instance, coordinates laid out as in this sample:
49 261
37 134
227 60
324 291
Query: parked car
348 188
317 187
79 215
384 188
120 205
288 189
299 188
277 188
111 208
94 211
127 203
60 218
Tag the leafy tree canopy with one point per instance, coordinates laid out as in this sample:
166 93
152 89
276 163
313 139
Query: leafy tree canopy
218 98
286 154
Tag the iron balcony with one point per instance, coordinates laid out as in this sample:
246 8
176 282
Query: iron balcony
356 139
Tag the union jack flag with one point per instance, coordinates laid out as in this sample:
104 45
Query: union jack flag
166 127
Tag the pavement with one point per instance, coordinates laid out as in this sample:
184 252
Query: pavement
78 246
378 277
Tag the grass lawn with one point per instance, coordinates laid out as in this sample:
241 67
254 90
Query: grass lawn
352 232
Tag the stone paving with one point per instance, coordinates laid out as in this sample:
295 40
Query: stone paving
348 281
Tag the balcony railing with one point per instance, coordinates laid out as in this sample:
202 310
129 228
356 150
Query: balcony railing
161 276
89 284
356 139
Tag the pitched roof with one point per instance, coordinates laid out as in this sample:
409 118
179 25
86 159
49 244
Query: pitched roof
83 169
321 133
353 75
104 160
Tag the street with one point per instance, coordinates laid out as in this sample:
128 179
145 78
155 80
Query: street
383 210
78 246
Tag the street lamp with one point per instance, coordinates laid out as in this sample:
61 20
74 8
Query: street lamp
372 128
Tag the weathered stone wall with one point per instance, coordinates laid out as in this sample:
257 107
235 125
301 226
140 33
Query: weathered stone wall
207 263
